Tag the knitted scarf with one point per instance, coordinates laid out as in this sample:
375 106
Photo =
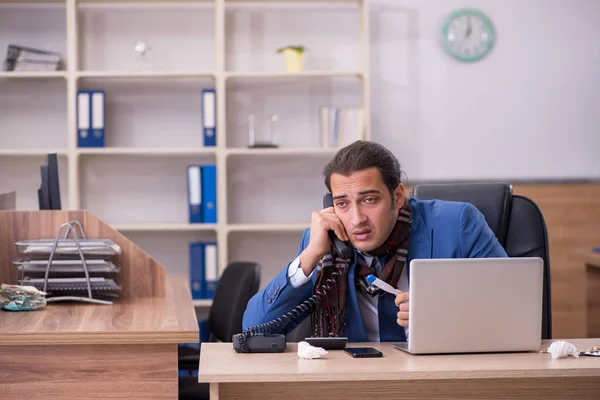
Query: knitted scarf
328 317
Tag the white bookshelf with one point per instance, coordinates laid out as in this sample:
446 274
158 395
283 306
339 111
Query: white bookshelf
153 118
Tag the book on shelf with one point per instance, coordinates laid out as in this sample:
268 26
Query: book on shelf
21 58
340 127
204 269
202 193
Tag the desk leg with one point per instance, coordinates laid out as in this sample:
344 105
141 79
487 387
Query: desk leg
214 391
89 372
593 302
480 389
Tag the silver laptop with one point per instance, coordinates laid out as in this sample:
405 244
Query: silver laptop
475 305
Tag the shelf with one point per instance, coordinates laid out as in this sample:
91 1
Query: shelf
292 1
281 151
203 302
268 227
32 74
150 151
144 74
154 114
131 2
32 2
31 152
163 227
296 75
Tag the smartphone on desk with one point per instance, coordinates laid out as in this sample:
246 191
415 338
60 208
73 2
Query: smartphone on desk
363 352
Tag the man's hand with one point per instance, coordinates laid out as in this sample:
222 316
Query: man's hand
321 223
402 303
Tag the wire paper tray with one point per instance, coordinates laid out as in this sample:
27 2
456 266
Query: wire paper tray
75 266
61 288
73 284
104 247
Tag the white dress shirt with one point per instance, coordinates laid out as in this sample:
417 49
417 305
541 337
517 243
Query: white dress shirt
366 303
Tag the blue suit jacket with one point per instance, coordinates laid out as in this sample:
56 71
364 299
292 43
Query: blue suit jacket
439 229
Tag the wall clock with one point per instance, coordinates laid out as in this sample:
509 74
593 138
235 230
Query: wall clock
468 34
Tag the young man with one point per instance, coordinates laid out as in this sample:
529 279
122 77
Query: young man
387 230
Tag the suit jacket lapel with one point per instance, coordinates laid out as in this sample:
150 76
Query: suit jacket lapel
419 245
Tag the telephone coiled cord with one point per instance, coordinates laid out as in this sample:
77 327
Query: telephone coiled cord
293 314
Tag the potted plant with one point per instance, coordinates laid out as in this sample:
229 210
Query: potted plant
294 57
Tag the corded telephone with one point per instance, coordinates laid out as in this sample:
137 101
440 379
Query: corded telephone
254 340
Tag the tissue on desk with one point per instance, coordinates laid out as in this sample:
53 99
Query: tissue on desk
21 298
562 349
308 352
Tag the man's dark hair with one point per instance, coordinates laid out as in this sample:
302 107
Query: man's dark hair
362 155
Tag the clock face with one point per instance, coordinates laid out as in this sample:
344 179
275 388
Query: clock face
468 35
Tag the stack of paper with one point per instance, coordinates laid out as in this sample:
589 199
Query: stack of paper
19 58
21 298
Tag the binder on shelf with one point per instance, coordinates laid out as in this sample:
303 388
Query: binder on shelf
91 109
204 269
194 189
83 118
197 270
209 193
98 117
211 268
209 117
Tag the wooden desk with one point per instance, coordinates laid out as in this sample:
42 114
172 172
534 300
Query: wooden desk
122 351
398 375
73 350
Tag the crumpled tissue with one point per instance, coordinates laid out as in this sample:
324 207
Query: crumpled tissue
21 298
562 349
308 352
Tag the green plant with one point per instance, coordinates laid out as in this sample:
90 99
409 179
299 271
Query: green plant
299 49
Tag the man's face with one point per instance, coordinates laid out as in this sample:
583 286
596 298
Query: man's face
364 205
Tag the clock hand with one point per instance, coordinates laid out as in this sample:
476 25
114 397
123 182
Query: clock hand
469 29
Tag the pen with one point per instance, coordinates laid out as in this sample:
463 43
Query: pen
373 280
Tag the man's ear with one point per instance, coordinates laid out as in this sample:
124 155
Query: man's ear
399 196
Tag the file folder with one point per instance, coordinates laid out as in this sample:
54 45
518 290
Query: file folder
211 268
194 187
209 117
197 270
84 112
209 193
98 118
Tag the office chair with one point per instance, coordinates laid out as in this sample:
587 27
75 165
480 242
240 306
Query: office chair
238 283
516 220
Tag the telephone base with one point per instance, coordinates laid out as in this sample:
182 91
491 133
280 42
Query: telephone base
260 343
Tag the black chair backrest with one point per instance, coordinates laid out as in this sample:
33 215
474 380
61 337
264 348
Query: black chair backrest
517 222
492 199
528 237
238 283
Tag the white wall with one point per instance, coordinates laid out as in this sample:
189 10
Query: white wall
530 110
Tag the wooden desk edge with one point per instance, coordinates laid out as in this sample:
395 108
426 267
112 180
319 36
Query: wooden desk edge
66 338
409 375
183 307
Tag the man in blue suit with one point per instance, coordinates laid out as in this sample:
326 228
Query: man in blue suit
387 230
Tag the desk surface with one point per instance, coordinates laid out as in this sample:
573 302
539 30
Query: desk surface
220 363
169 319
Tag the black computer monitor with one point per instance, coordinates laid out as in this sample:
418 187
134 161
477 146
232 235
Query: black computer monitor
49 191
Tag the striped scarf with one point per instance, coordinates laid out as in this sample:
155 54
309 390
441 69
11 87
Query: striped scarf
329 314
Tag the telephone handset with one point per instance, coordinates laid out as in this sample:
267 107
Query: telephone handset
343 250
255 340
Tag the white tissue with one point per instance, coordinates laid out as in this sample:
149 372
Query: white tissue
561 349
309 352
